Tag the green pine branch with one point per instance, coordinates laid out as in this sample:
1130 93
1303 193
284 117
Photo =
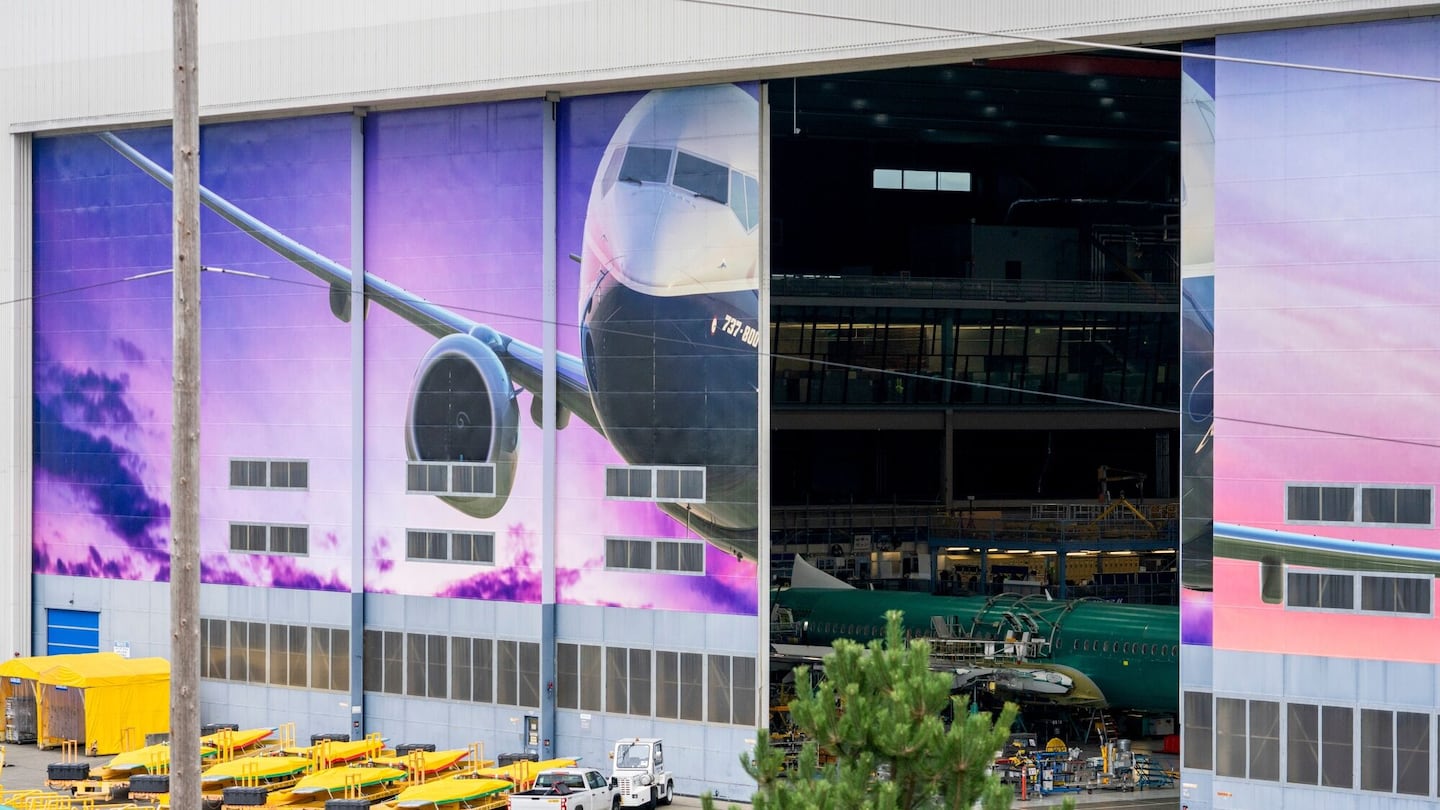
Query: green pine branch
876 740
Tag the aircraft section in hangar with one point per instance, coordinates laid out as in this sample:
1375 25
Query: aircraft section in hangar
975 384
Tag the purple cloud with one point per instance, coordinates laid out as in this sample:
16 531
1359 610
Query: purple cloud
504 584
96 566
380 553
517 582
129 351
70 409
725 594
1196 617
275 571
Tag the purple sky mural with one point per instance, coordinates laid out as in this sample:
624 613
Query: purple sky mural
453 213
1325 304
274 361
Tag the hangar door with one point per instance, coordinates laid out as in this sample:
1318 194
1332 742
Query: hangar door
71 631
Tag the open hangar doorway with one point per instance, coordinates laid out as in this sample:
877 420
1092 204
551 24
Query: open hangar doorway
957 250
975 276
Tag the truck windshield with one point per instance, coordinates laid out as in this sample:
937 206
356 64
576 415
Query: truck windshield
632 756
570 780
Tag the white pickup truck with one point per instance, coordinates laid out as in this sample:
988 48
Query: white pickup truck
568 789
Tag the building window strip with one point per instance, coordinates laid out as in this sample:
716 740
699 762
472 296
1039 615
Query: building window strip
1198 725
1360 505
1337 746
450 478
1412 753
1351 592
1302 744
261 538
655 554
275 654
442 546
260 473
661 484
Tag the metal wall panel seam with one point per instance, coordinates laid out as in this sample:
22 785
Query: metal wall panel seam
18 536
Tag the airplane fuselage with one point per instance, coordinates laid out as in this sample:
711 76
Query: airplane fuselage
669 309
1131 652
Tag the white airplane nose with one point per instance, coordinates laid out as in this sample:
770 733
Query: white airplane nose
666 241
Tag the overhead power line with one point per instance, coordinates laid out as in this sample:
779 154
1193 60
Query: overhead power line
768 356
1077 43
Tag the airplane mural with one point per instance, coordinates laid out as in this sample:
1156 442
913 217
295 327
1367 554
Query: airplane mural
668 322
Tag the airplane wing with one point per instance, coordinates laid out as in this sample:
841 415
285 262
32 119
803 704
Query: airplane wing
522 360
1276 547
1029 681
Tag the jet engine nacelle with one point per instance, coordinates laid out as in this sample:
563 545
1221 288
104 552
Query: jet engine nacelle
463 409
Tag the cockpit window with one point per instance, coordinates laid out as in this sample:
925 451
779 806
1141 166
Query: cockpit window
644 164
702 177
612 170
745 199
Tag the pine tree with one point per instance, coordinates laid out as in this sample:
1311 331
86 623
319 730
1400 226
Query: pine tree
876 716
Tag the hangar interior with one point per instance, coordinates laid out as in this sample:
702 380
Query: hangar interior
974 311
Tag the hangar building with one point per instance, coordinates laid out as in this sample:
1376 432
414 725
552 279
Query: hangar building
538 338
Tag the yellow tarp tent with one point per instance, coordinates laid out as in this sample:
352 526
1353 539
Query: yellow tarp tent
106 706
17 680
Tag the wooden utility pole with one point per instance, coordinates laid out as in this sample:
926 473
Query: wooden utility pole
185 435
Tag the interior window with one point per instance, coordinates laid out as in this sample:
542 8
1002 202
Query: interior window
645 164
702 177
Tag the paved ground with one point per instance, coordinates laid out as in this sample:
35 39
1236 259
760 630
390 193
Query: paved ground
25 770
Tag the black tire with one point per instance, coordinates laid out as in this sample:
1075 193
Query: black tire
67 771
669 795
404 748
334 736
347 804
615 805
155 783
654 799
244 796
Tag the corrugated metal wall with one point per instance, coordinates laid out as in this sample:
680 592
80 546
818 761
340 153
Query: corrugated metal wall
75 63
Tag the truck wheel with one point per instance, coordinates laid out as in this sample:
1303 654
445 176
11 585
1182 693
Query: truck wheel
669 794
615 804
654 798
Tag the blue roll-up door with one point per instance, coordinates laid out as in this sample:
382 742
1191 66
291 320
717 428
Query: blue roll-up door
71 631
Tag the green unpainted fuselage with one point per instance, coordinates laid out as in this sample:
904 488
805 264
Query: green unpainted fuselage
1131 652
